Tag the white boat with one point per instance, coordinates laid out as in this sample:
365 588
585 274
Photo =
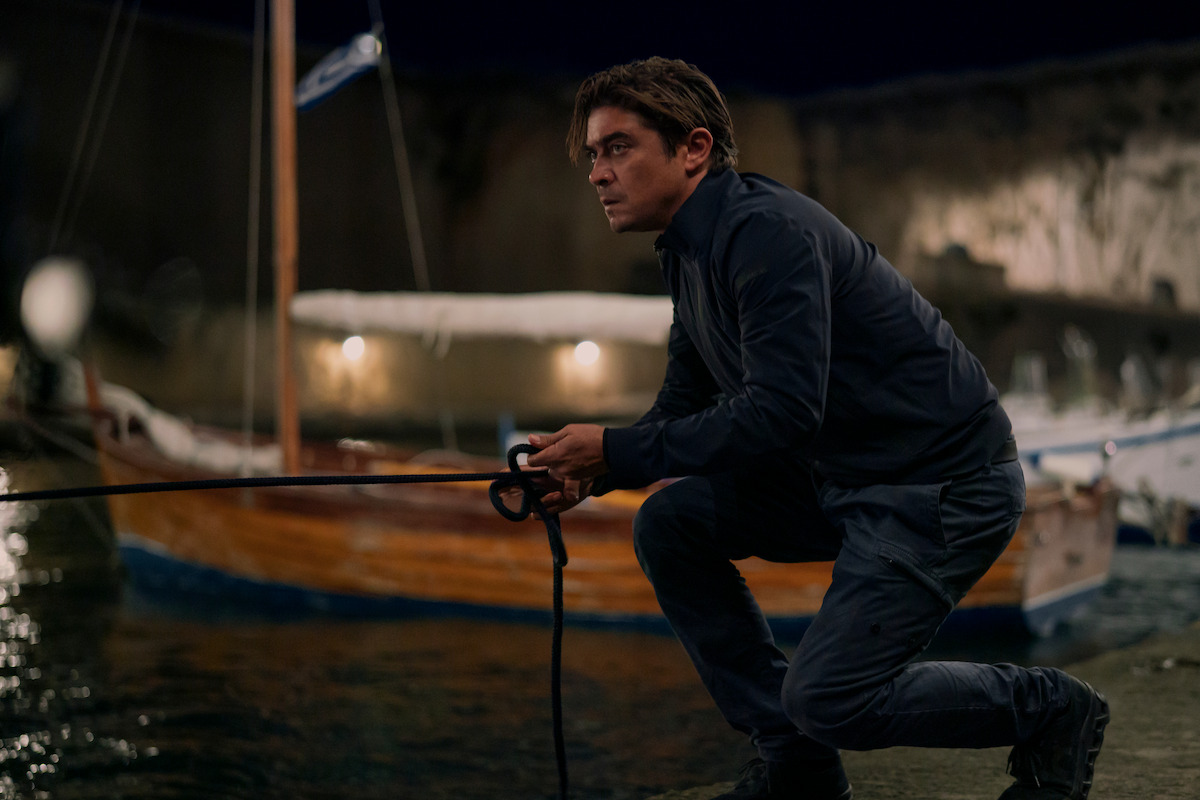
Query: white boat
1149 452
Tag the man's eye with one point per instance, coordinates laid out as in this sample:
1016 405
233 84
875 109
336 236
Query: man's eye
617 147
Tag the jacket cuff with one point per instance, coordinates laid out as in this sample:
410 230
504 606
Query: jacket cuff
621 453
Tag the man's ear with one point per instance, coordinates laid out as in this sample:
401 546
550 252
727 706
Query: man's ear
698 146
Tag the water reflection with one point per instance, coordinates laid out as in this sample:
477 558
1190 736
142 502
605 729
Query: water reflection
26 752
48 730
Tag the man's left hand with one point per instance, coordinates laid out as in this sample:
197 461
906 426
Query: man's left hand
574 453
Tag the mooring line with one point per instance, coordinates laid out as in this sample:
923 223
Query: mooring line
531 503
260 482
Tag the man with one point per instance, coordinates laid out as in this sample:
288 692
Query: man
816 408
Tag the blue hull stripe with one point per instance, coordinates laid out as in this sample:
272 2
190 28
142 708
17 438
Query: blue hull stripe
181 584
1096 445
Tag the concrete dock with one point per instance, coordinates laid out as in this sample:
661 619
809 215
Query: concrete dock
1151 748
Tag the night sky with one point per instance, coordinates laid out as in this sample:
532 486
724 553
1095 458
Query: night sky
787 48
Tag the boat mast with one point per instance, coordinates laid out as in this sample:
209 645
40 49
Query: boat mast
287 226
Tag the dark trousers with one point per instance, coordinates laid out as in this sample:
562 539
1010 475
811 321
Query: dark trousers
903 557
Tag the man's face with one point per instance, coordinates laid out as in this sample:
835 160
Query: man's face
640 184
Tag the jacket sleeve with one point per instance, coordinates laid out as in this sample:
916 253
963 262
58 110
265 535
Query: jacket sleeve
687 388
779 284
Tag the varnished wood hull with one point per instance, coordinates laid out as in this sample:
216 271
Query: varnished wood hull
425 546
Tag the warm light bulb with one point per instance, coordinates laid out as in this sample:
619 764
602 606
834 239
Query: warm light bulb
587 352
353 348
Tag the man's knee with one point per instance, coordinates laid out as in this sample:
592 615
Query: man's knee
652 527
834 716
675 529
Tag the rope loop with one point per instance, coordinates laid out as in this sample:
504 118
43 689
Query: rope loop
531 501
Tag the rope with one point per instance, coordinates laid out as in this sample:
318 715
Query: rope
254 483
68 205
408 195
81 139
531 503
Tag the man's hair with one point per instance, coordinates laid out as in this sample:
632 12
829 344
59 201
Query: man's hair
672 96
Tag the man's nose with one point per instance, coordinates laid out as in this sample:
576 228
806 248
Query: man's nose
600 173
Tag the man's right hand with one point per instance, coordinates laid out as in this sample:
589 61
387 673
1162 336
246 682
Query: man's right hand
567 495
559 496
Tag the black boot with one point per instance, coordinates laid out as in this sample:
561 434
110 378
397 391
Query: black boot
791 780
1060 759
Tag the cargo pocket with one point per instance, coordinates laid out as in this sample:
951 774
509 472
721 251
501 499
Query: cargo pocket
903 562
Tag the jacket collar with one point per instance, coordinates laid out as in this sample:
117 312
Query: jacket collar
693 224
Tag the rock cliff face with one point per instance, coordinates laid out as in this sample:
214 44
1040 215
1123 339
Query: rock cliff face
1125 228
1081 179
1075 179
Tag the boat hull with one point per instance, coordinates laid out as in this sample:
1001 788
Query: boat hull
442 548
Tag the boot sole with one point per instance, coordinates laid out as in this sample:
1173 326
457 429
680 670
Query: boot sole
1091 743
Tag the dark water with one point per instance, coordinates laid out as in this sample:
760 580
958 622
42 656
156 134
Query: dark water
104 694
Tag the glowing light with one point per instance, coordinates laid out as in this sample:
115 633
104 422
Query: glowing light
353 348
587 352
368 45
55 303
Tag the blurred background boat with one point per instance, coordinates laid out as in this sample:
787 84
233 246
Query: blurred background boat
1146 446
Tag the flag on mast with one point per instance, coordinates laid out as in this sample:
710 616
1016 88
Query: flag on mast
337 69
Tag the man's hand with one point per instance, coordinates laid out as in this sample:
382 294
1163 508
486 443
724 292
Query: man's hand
574 453
574 457
559 496
569 495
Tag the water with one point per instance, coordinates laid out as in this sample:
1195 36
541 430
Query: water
105 694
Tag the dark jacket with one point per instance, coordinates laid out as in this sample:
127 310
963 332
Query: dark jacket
794 337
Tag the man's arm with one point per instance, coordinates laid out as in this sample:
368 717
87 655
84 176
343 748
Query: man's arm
575 455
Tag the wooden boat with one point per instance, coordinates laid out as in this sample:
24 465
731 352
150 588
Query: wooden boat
436 548
397 548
